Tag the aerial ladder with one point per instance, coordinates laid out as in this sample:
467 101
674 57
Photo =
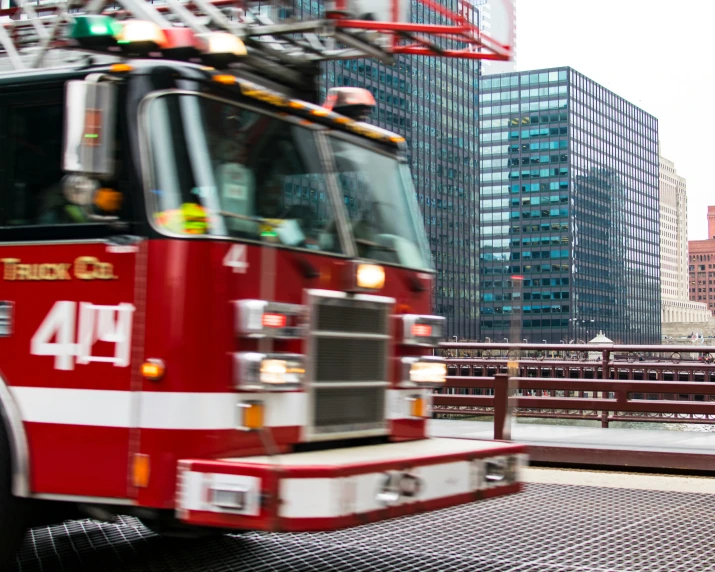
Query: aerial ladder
36 35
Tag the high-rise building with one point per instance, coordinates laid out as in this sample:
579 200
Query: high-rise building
569 210
432 102
496 22
676 305
701 269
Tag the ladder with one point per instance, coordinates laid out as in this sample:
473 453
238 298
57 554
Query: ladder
33 33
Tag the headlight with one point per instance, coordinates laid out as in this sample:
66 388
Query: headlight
422 330
370 276
266 372
424 371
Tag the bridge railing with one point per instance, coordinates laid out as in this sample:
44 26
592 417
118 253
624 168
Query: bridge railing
652 390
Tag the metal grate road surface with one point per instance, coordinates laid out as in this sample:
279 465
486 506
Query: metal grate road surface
552 528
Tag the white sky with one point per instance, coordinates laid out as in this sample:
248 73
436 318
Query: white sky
655 53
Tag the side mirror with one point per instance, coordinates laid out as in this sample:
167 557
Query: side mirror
89 127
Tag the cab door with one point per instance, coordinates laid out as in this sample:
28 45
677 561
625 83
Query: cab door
67 310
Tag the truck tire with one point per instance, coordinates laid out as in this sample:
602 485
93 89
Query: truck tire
13 517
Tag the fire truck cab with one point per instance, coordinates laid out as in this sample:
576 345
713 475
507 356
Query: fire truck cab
216 303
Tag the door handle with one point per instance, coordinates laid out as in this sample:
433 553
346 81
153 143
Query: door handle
6 318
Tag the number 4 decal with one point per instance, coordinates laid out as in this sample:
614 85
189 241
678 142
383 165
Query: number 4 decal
237 258
111 324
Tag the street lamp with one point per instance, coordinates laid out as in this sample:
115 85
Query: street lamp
489 340
543 341
506 340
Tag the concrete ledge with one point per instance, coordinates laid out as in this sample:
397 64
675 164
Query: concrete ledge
620 480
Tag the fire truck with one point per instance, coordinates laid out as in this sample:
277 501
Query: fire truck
215 310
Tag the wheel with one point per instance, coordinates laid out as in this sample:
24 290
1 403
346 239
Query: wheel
582 356
511 355
631 358
13 513
675 357
541 355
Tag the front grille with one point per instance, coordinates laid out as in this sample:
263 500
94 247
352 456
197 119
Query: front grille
348 339
339 317
348 359
349 408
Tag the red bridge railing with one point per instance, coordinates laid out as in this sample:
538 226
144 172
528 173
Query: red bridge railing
608 383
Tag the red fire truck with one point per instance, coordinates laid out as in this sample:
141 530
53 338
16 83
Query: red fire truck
216 295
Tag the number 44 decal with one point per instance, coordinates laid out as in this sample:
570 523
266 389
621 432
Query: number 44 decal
111 324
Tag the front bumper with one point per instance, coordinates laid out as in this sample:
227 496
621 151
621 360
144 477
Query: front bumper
338 488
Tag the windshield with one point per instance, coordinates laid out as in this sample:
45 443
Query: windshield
381 206
220 169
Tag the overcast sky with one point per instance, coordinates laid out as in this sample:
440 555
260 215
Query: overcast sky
657 54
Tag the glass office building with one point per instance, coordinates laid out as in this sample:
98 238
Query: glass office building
569 211
432 102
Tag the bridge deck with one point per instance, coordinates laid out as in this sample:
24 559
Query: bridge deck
660 448
551 527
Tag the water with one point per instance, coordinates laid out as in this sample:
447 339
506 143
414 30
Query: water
692 427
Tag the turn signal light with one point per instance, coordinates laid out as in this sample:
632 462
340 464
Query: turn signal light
251 415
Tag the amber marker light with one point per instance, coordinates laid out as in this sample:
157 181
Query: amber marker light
418 406
120 68
153 369
140 470
225 79
252 418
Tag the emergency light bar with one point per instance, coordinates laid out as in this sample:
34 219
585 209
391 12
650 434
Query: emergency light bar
141 38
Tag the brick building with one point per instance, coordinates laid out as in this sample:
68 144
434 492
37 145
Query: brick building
701 269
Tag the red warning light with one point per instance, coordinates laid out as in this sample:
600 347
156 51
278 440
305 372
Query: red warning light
274 320
517 277
421 330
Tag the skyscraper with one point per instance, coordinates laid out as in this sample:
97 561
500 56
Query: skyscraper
432 102
676 304
569 207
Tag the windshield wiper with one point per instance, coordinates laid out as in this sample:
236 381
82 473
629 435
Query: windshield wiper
375 245
242 217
